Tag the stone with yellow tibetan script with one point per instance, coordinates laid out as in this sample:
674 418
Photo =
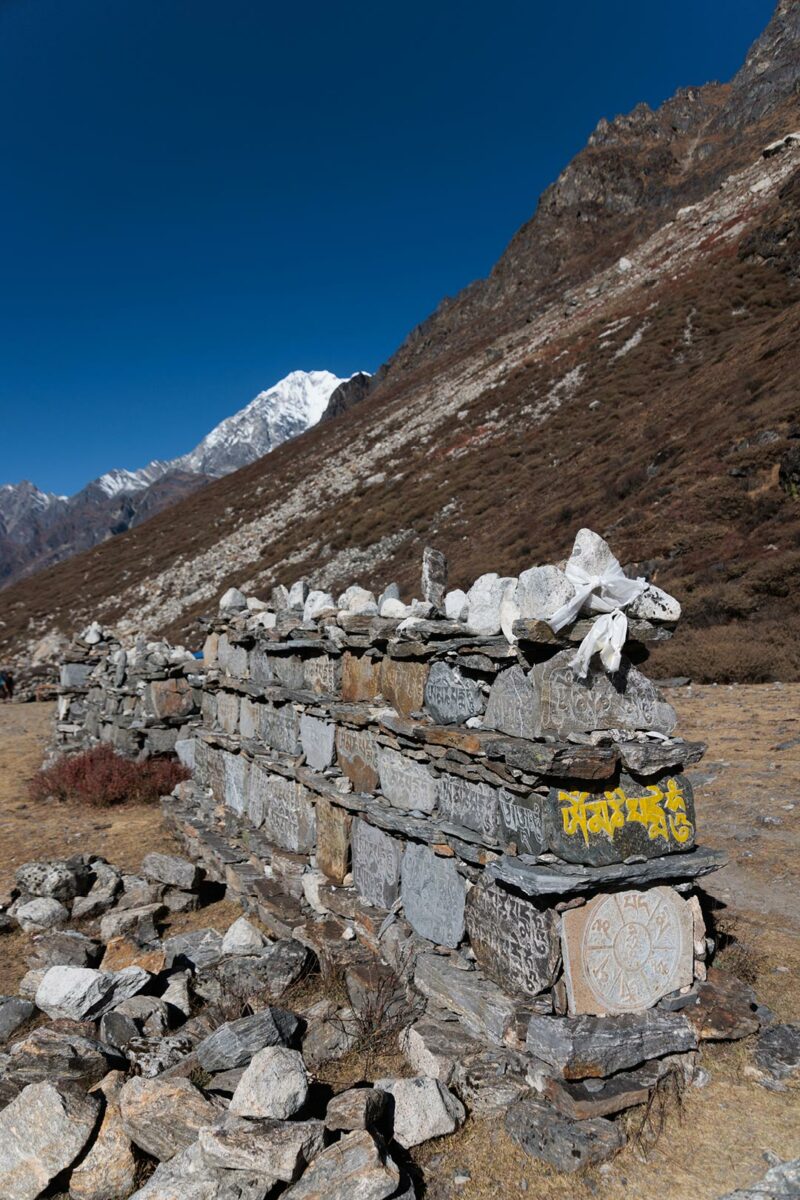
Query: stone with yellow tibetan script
623 951
514 942
632 819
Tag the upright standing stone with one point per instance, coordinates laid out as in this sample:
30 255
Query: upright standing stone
433 895
333 840
406 783
357 755
512 707
434 576
624 951
289 816
515 942
361 677
403 684
376 864
317 738
323 675
473 805
237 768
521 821
449 697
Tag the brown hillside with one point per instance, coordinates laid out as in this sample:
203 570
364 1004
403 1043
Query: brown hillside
653 397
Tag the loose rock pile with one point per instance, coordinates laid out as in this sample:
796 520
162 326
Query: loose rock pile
487 838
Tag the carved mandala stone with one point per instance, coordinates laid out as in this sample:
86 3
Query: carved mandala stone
625 950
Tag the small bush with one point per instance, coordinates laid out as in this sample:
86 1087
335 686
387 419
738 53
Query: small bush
100 778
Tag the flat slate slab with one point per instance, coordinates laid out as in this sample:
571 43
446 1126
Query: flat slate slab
623 951
473 805
544 879
590 1047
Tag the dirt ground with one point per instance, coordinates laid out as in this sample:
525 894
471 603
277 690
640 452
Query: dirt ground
721 1135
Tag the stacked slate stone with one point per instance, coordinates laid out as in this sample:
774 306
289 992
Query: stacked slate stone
138 700
434 788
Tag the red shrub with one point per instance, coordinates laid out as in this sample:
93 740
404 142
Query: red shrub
101 778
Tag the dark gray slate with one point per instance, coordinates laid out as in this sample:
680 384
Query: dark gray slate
593 1047
234 1043
280 727
53 1054
515 943
64 948
512 705
543 879
566 1144
14 1012
433 895
652 758
198 949
521 822
473 805
449 697
283 808
376 864
777 1053
632 819
483 1008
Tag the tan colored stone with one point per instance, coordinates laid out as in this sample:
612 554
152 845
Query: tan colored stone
121 952
357 755
403 684
623 951
361 678
171 698
333 840
109 1170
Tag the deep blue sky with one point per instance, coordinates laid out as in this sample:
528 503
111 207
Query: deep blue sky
198 197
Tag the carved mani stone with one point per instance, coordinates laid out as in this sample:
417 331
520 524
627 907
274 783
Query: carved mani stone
433 896
642 819
357 754
376 864
515 942
406 783
449 697
623 951
553 700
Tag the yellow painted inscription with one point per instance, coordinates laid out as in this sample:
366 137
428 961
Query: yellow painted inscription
662 811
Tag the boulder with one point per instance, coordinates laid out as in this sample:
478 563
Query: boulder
14 1012
354 1168
234 1043
80 992
188 1177
278 1150
108 1172
42 1132
101 894
456 606
163 1116
242 937
138 922
275 1084
64 948
318 603
198 949
776 1057
566 1144
484 600
541 591
171 870
41 913
423 1109
232 601
358 1108
52 1054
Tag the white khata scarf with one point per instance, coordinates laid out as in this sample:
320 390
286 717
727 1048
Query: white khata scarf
608 594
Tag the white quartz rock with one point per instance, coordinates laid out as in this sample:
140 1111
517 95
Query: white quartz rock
455 605
484 599
542 591
233 601
316 604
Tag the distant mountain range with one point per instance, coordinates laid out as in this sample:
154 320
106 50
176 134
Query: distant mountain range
38 529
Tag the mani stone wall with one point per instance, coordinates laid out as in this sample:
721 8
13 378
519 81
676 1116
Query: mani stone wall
141 701
516 843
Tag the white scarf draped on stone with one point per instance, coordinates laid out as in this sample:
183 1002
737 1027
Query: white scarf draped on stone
608 594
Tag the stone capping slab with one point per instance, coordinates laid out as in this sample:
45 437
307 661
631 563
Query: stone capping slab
542 879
